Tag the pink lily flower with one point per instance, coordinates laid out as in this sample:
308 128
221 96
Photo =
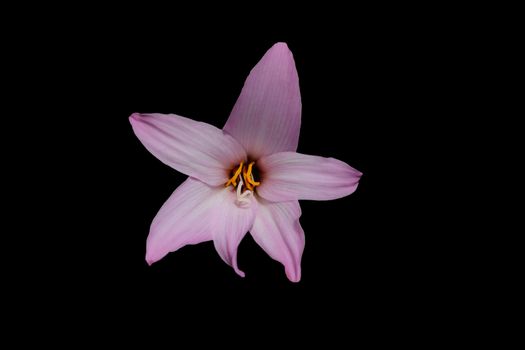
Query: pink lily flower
246 177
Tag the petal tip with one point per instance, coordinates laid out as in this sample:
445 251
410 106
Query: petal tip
281 45
134 117
240 273
280 48
293 277
150 258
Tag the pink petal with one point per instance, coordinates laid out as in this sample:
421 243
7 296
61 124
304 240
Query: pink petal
195 213
230 226
196 149
267 116
290 176
183 219
277 230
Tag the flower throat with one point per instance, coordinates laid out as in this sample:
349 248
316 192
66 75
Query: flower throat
247 175
242 176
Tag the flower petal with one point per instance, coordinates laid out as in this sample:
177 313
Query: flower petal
290 176
277 230
196 149
267 116
230 227
183 219
195 213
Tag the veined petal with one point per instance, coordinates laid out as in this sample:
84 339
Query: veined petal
197 212
267 116
196 149
230 227
183 219
290 176
277 230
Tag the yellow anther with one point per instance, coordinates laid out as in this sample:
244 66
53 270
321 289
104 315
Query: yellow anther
253 182
248 178
233 179
249 186
245 176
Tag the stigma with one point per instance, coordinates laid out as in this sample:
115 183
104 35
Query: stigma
243 180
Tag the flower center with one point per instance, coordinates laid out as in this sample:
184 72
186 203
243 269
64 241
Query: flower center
243 174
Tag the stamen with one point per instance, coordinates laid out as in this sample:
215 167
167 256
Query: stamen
249 176
243 176
246 183
255 183
234 177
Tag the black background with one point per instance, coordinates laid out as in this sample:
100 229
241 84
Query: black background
363 80
397 92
